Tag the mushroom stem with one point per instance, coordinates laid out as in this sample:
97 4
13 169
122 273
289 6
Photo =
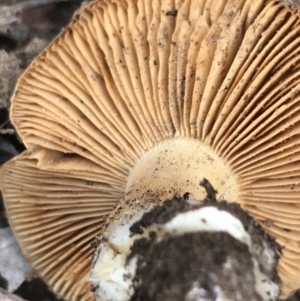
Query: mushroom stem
177 165
183 249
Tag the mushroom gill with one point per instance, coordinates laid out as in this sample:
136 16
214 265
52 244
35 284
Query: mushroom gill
214 82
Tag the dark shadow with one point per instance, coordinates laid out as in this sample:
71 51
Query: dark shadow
35 290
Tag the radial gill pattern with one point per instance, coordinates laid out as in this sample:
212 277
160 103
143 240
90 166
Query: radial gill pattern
127 74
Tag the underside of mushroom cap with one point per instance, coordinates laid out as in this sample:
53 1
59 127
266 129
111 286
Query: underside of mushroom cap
126 76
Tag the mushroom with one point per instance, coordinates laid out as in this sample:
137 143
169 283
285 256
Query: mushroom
144 99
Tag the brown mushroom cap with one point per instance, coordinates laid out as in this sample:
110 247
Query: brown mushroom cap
126 76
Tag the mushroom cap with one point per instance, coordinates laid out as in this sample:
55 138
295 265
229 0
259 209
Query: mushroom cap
127 75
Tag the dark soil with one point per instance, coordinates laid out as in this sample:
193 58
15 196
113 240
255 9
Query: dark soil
171 268
168 269
170 208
